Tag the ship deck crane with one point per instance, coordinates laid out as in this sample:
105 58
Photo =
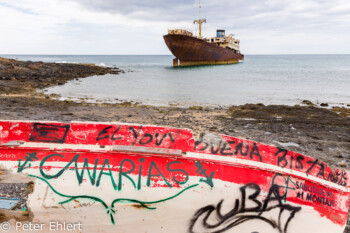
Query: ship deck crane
200 21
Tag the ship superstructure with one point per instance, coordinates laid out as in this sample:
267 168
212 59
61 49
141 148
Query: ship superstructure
229 42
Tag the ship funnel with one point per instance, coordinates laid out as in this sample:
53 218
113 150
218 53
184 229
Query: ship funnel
220 33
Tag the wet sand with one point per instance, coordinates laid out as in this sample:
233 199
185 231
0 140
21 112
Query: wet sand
319 132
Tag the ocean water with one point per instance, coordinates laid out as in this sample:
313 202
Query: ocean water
267 79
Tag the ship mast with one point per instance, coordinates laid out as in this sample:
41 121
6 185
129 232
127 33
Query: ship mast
200 21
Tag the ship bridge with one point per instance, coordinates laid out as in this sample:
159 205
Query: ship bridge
224 41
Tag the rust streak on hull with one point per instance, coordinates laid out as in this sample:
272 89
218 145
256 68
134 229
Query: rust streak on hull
198 63
193 51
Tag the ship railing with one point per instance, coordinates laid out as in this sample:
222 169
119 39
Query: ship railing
182 28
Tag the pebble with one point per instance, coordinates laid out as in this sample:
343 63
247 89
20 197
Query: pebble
292 127
213 128
342 163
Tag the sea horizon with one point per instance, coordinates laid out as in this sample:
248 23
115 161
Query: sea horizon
246 54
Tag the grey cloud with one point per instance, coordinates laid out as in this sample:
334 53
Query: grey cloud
151 9
257 15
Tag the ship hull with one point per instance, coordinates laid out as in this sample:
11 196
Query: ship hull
190 51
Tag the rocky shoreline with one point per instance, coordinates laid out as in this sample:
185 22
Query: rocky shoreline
320 132
25 77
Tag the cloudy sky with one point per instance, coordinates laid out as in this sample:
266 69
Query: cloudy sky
137 26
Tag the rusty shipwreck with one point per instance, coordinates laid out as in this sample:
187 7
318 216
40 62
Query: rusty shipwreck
190 50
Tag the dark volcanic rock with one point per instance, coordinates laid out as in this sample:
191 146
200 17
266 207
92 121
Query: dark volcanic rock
23 76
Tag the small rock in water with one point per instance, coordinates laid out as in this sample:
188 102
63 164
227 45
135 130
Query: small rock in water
324 105
307 102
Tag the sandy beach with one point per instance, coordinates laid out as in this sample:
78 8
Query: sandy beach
319 132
